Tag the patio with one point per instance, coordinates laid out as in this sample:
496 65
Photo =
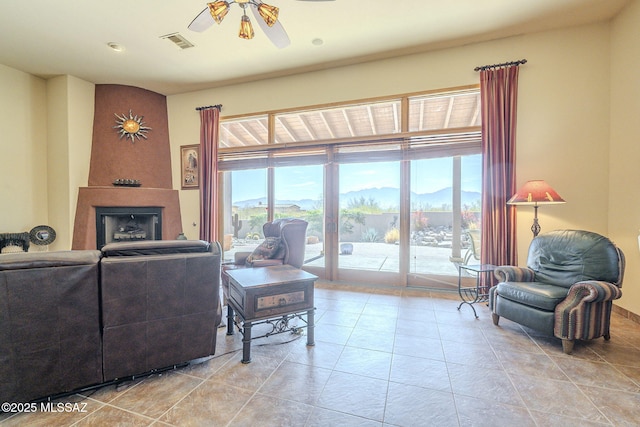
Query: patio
372 257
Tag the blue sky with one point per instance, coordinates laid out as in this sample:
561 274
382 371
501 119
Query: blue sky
305 182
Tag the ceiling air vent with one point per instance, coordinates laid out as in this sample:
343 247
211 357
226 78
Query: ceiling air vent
179 40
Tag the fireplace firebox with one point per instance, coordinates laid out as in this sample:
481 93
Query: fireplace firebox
125 224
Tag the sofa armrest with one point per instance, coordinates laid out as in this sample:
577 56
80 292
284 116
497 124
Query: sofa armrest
507 273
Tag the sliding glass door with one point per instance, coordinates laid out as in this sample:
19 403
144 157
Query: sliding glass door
245 205
369 216
299 193
445 206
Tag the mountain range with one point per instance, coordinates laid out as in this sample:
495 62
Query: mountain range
385 197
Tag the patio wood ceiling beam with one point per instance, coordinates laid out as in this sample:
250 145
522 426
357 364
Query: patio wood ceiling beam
286 128
447 117
396 125
252 134
476 111
239 141
348 122
372 120
307 127
328 126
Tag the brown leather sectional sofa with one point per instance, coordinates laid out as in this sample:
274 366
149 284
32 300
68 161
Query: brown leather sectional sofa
73 319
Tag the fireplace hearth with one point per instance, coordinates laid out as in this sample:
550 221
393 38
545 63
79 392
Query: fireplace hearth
126 224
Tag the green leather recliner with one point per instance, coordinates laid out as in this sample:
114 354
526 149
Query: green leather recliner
567 288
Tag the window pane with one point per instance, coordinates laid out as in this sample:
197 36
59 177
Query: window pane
299 194
438 240
247 131
444 111
245 210
347 121
369 216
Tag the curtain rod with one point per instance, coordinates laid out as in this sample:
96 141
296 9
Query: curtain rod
218 106
504 64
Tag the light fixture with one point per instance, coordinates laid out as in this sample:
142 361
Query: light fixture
535 193
269 14
219 10
246 29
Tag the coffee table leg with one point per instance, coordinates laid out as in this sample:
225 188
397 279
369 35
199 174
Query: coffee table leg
246 342
229 319
310 326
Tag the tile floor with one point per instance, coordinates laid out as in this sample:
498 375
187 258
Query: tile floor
383 360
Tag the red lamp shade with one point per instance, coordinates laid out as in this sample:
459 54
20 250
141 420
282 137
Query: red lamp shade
535 193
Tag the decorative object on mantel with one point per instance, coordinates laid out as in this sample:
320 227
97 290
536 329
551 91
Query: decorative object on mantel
189 157
125 182
20 240
42 235
131 127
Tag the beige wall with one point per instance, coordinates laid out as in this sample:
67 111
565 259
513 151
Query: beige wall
624 203
45 150
23 151
70 120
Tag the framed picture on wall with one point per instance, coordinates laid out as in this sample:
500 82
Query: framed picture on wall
189 158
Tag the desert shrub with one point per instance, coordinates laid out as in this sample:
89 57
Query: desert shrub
371 235
392 236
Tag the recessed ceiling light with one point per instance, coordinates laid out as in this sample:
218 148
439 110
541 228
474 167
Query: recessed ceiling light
115 46
317 42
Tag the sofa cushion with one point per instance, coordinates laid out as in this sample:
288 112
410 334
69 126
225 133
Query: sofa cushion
534 294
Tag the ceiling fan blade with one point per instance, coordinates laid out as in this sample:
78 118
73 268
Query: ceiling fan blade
201 22
275 33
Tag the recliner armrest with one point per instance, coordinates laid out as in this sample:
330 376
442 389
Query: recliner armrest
593 291
581 314
508 273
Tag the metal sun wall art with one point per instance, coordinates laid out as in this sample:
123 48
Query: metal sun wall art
131 127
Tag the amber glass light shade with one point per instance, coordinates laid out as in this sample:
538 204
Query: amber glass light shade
268 13
535 193
246 29
219 10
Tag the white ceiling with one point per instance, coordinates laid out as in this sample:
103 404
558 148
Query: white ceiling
53 37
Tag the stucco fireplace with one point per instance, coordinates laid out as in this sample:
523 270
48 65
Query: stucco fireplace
145 161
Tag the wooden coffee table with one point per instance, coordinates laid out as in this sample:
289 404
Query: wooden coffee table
259 295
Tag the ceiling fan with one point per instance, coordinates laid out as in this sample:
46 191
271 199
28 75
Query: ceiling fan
266 15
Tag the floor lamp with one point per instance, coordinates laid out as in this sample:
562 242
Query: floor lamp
535 193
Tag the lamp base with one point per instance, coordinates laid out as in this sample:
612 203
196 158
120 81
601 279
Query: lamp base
535 228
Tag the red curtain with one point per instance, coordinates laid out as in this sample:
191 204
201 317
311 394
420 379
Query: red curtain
209 135
499 96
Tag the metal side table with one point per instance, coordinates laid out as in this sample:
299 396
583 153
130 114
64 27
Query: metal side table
480 292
